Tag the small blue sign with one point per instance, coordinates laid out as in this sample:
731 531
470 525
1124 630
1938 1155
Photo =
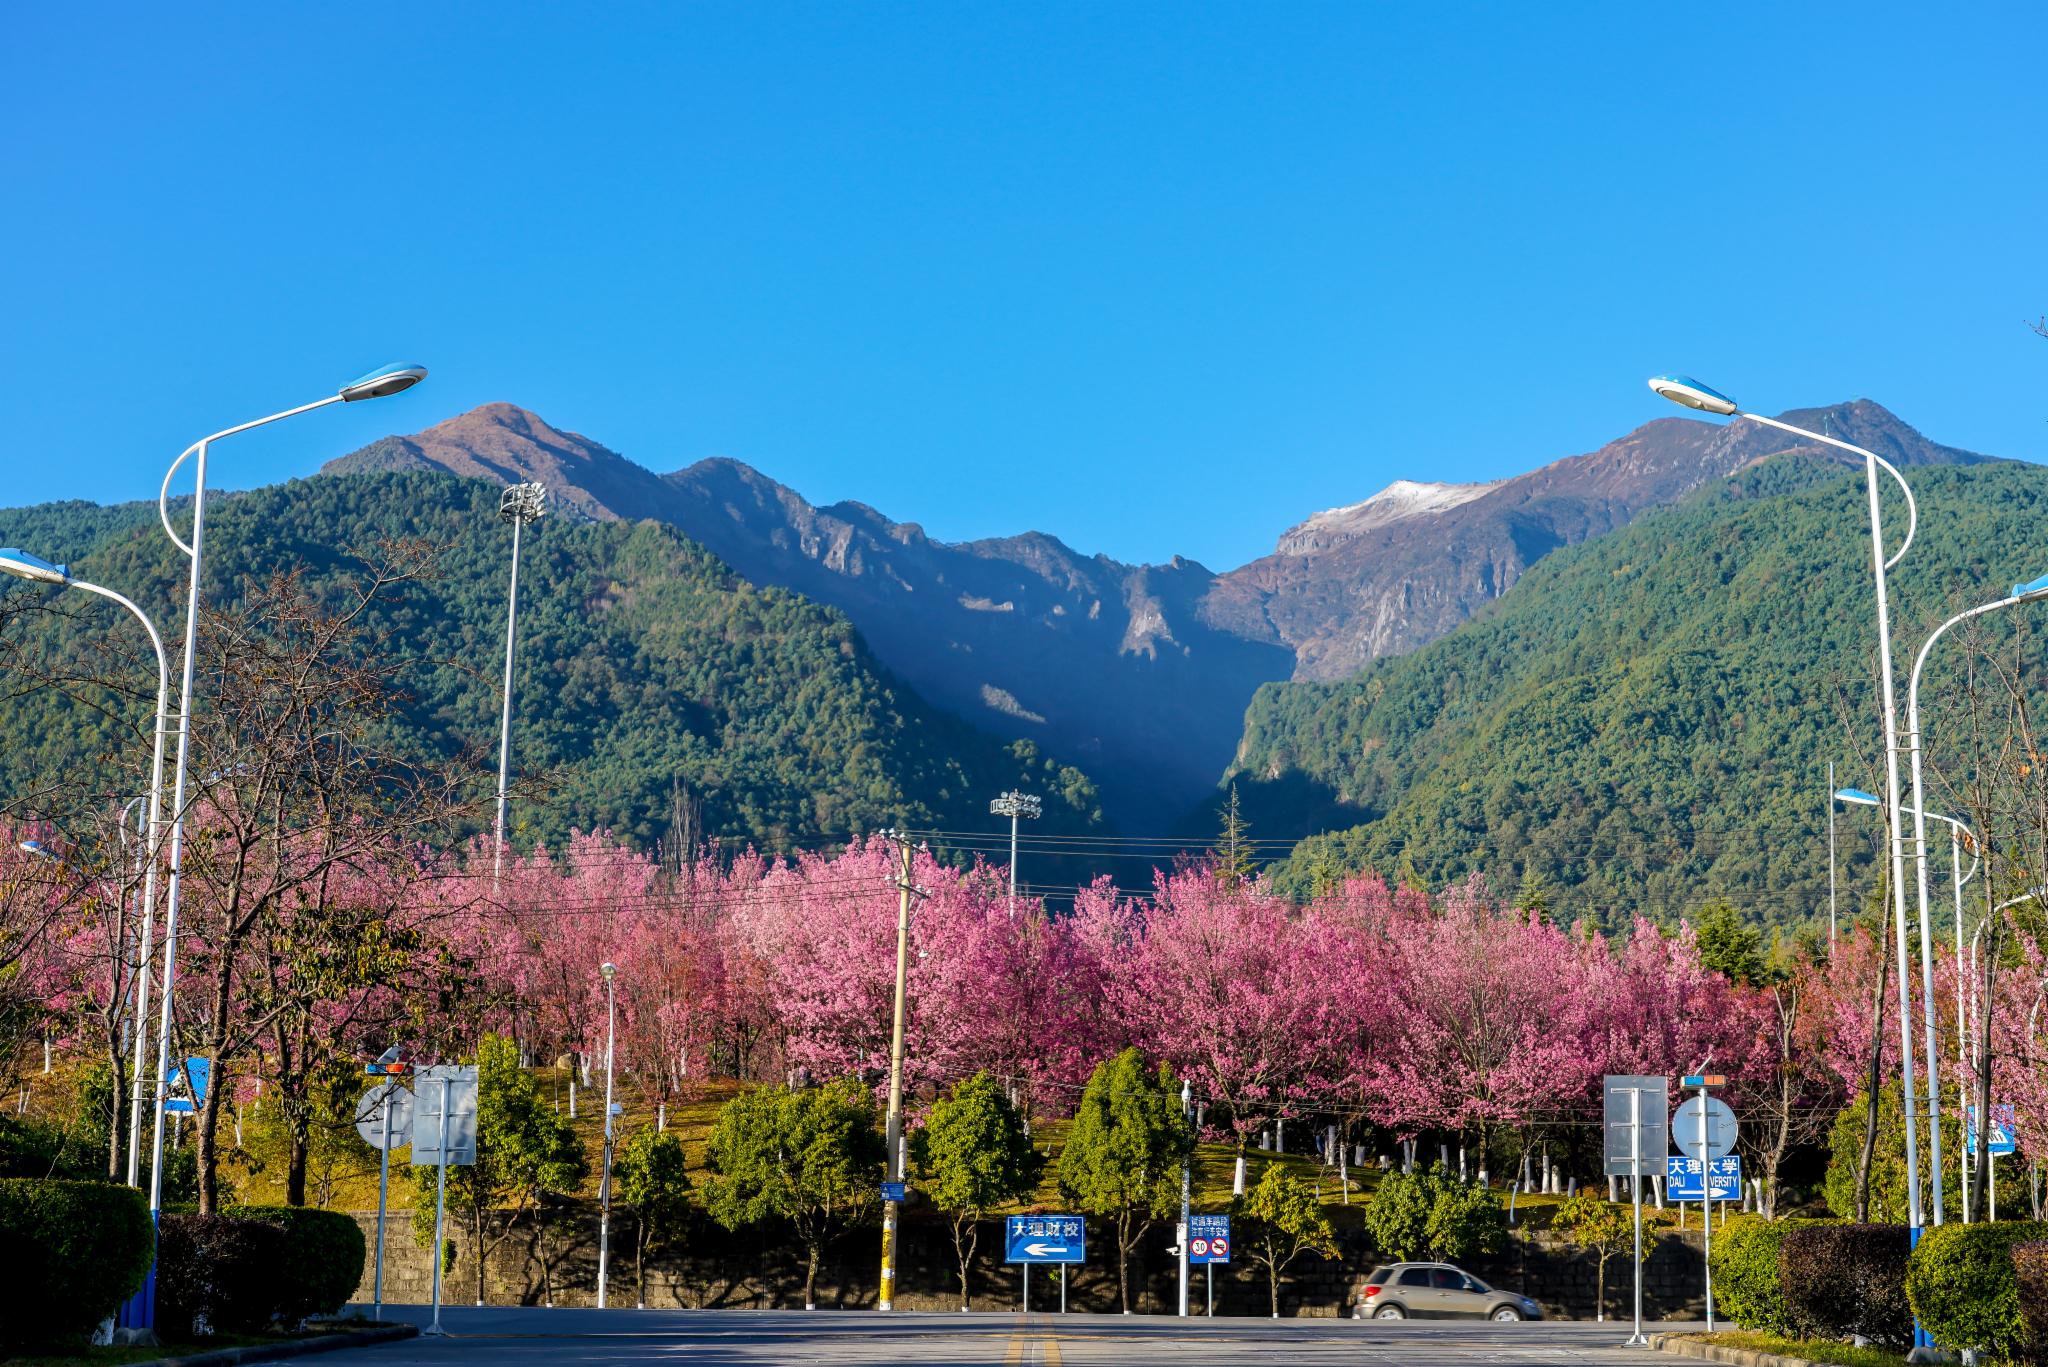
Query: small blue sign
190 1077
893 1191
2005 1135
1208 1239
1046 1239
1685 1179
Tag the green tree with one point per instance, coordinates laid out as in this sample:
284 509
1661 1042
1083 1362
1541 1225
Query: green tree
653 1179
812 1157
1280 1219
1887 1160
1729 946
1431 1214
973 1153
1233 853
525 1153
1123 1153
1600 1227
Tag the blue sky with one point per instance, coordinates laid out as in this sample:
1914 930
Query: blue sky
1156 278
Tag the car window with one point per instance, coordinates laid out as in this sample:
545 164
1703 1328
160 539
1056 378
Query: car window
1379 1276
1448 1278
1473 1283
1415 1276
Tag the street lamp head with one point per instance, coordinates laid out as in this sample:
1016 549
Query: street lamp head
608 969
36 848
22 565
1857 796
2027 592
1690 393
384 381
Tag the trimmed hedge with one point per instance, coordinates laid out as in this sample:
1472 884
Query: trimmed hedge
1847 1281
1961 1285
216 1274
1747 1286
70 1253
323 1259
2030 1278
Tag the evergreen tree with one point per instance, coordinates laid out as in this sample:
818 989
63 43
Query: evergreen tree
654 1181
1123 1153
973 1153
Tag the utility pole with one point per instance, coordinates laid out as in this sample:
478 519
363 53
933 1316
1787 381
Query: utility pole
519 505
892 1129
1014 804
1187 1111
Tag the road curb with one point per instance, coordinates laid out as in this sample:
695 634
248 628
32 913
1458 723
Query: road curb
1689 1345
291 1348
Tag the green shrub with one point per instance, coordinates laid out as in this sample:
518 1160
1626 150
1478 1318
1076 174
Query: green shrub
218 1275
70 1253
323 1259
1961 1285
2030 1277
1846 1281
1747 1285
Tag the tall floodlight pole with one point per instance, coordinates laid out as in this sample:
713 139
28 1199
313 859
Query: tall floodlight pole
22 565
1014 804
520 505
1690 393
604 1186
379 383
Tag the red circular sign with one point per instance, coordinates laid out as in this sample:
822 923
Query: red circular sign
1198 1247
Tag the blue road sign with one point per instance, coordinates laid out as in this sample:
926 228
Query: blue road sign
893 1191
2005 1136
1685 1179
189 1078
1046 1239
1208 1239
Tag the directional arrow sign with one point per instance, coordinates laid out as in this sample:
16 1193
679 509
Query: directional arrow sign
1046 1239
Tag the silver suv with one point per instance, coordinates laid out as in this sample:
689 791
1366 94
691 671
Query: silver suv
1431 1291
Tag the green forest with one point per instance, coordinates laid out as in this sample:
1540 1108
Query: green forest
644 663
1647 719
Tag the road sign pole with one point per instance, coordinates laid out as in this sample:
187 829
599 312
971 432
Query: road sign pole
1707 1209
440 1209
1063 1290
1026 1303
1211 1270
383 1190
1635 1159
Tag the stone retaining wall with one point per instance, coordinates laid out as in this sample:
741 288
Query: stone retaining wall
762 1269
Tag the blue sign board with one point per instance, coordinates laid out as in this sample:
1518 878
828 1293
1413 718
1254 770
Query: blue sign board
2005 1138
1685 1179
1208 1239
191 1079
893 1191
1046 1239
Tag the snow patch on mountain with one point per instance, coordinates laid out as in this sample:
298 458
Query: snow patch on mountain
1399 501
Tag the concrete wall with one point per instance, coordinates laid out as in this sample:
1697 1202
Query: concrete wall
762 1269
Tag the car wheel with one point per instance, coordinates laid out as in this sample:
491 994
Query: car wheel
1505 1313
1390 1312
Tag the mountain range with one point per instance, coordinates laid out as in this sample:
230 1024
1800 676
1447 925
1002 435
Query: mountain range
1139 674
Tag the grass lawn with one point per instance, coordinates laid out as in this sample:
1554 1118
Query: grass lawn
1812 1350
115 1356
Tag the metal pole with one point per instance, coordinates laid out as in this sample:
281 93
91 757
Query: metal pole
1013 863
440 1210
1635 1160
1026 1304
604 1187
1831 857
505 715
893 1129
1707 1209
383 1190
1962 1028
1187 1110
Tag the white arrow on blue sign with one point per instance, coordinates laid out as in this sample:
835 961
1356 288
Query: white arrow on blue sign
1046 1239
1685 1179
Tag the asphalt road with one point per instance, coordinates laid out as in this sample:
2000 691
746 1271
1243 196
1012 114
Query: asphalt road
749 1338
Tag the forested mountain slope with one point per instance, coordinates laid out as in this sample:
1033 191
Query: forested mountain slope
1647 718
643 662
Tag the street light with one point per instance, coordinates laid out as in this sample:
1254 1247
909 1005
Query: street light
1014 804
604 1186
520 505
1690 393
36 570
1187 1113
390 379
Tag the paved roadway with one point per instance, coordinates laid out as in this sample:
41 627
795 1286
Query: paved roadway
755 1338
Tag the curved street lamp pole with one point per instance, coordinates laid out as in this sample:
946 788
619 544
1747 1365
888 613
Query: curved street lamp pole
387 380
1690 393
22 565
